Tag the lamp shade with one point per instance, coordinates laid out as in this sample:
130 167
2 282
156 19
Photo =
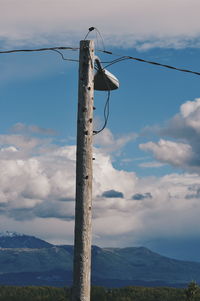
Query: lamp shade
105 81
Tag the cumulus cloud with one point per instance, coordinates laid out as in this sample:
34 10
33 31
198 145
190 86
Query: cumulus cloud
185 124
38 190
144 24
175 153
106 177
182 150
110 143
32 178
38 178
164 211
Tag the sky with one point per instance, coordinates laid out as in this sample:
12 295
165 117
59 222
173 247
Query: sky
146 186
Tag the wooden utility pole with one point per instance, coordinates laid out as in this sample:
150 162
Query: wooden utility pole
83 211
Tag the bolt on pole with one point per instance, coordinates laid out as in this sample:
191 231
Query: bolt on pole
84 157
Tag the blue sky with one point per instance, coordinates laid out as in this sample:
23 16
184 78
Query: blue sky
146 173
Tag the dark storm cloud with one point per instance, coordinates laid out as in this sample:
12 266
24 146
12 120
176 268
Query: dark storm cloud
46 209
112 194
194 192
20 214
53 209
66 199
140 196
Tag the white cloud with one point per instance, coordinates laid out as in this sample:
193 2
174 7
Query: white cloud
175 153
190 113
182 150
106 177
8 149
169 212
31 129
161 23
109 143
44 173
52 229
37 191
184 125
153 164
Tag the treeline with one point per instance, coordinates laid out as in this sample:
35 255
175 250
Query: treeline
132 293
14 293
33 293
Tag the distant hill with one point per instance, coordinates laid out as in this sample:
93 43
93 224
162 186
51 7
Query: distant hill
26 260
16 240
142 264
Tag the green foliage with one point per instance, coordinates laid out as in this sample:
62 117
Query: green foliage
146 294
132 293
192 292
98 294
14 293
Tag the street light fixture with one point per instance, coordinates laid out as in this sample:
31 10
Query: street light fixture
103 79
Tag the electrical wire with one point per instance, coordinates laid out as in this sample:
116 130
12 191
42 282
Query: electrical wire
97 39
39 49
122 58
106 114
55 49
102 40
107 103
64 58
119 59
89 30
97 32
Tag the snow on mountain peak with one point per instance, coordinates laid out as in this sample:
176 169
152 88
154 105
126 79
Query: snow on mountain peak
10 234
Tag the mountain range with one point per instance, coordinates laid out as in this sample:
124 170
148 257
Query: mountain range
27 260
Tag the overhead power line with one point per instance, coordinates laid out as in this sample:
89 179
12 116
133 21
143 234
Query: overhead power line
120 59
39 49
123 58
55 49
